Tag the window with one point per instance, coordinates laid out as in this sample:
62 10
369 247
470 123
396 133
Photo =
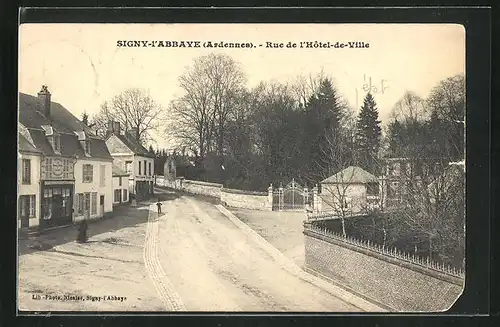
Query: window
81 202
149 167
94 203
103 176
47 204
125 196
32 206
128 166
88 172
26 171
120 181
117 195
139 168
27 206
145 168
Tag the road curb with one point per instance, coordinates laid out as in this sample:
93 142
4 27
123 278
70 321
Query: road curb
156 273
290 266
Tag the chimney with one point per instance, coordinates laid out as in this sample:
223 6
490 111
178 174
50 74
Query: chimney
133 133
44 101
116 127
110 126
113 127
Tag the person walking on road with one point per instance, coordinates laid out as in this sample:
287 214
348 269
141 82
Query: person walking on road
158 204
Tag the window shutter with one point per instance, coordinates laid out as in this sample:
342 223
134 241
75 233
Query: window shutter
94 203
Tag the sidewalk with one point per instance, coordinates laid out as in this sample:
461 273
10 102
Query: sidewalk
284 230
121 217
105 274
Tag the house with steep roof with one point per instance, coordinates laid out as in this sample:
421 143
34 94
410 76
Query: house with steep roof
350 191
28 180
131 156
120 185
65 170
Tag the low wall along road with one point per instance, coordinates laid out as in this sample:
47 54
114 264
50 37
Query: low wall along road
229 197
393 282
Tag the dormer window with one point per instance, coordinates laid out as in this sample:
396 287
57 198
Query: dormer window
84 141
53 137
86 147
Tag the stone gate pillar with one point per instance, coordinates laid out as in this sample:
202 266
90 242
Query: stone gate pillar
270 197
315 199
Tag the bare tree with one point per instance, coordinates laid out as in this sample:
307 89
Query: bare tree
305 86
336 193
134 109
211 87
410 108
446 103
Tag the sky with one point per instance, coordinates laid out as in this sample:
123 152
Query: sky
82 65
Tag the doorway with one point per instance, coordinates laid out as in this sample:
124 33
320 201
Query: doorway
24 211
101 204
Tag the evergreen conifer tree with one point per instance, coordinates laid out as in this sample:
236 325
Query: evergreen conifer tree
368 135
323 115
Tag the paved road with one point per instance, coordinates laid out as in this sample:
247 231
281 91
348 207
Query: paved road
201 259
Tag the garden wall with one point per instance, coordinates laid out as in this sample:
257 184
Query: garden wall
230 197
388 280
246 199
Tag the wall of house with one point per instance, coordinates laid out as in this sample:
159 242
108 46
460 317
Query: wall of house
117 186
246 199
140 175
394 283
355 196
120 161
94 186
115 145
34 187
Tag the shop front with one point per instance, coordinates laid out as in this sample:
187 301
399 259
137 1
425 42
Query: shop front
57 189
57 203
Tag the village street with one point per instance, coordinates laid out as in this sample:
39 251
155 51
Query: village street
195 256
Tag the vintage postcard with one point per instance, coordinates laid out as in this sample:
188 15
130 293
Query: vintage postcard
241 167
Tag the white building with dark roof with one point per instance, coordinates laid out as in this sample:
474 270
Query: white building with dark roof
131 156
350 191
70 167
120 186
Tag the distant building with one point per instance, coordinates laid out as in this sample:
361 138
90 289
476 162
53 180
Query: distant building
120 186
131 156
349 191
402 176
170 168
64 170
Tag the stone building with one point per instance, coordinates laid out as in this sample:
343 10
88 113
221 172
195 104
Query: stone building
131 156
64 169
349 191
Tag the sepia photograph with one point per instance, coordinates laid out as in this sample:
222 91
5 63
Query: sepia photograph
241 167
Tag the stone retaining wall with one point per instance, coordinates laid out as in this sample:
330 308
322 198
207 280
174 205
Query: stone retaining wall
394 283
